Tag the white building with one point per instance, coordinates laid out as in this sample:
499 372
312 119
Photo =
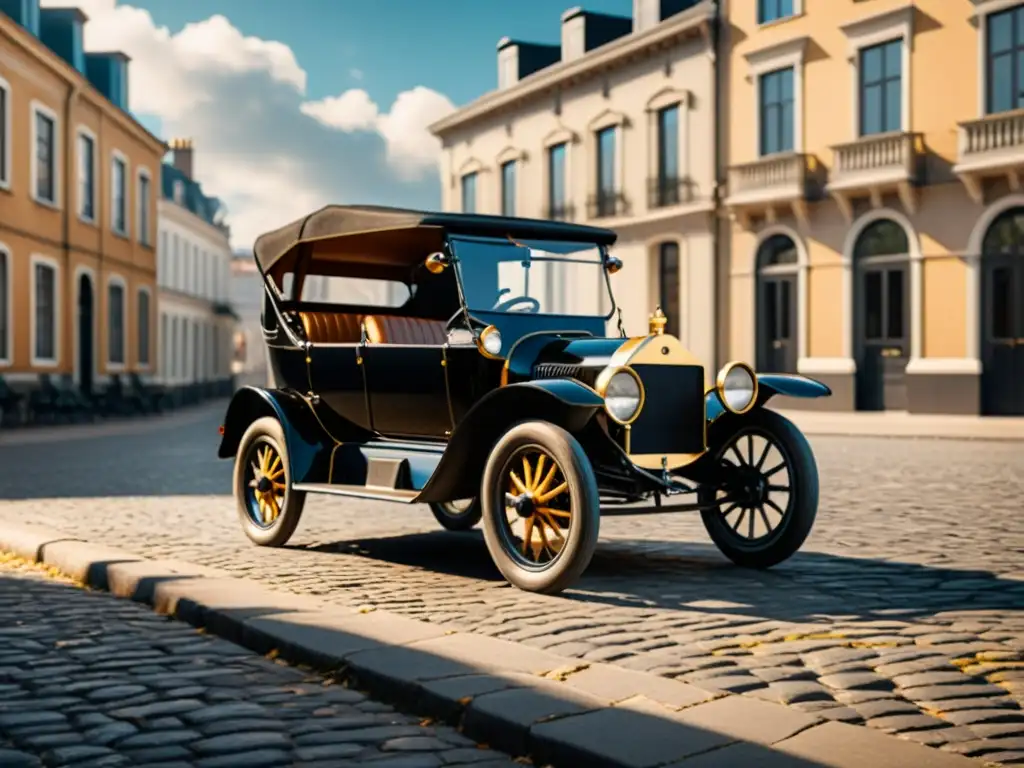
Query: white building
193 273
614 127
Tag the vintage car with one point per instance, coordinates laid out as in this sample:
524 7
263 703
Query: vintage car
488 388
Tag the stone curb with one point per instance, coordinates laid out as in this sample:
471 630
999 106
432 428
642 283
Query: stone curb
518 699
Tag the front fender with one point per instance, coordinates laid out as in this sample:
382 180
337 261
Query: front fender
564 402
769 385
304 438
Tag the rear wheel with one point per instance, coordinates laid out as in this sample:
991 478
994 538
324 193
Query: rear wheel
268 507
541 510
769 501
461 515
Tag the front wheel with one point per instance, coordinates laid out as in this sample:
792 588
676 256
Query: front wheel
268 507
460 515
768 500
541 510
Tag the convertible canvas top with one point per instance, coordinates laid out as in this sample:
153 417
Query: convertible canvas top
340 221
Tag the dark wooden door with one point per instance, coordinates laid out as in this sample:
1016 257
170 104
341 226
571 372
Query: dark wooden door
1003 336
408 390
777 326
884 336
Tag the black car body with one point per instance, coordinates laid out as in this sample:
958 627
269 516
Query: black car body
504 327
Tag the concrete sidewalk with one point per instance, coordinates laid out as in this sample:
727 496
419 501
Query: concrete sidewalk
907 425
556 710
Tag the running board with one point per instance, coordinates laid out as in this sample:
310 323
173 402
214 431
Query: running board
401 495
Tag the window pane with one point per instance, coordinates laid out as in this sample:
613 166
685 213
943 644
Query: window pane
784 302
45 305
469 193
44 158
770 88
871 110
786 127
508 189
668 143
893 106
1001 97
873 305
1002 317
115 335
3 134
771 310
895 305
4 352
1000 32
668 266
786 85
556 179
143 328
606 161
871 64
893 59
882 238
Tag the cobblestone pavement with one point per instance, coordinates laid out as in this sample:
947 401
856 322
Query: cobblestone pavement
905 611
89 680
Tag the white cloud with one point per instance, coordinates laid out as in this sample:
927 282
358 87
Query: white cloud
355 74
261 146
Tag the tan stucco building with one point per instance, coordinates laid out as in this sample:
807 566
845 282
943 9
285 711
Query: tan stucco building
79 181
614 127
877 235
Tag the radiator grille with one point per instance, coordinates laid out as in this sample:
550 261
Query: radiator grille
580 373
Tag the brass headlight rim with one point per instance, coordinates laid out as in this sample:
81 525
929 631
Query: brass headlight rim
720 386
605 379
480 342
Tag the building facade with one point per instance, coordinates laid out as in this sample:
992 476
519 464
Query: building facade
877 222
78 209
613 127
197 321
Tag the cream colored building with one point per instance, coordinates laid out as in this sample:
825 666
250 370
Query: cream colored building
875 152
614 128
197 321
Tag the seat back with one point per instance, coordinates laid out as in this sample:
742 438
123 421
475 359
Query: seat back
332 327
392 329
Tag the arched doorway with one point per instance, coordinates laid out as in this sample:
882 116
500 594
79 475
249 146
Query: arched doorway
882 329
1002 315
86 334
777 270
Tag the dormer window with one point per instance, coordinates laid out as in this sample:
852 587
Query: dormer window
179 192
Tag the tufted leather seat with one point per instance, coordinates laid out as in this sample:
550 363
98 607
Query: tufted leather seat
332 327
390 329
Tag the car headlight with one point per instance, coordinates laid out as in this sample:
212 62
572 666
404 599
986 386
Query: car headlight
737 387
623 396
489 341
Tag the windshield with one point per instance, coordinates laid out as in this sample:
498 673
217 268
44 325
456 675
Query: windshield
531 276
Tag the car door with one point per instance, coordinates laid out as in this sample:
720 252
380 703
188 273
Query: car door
334 360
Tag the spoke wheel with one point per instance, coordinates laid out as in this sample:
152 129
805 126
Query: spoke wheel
766 506
541 510
268 508
460 515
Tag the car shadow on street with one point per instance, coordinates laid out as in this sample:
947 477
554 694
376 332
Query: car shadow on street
688 576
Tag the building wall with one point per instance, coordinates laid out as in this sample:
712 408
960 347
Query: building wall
194 267
627 96
913 176
58 234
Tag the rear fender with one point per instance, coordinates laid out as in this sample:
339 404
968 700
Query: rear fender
305 440
564 402
768 386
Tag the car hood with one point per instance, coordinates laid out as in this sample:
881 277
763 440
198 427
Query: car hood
551 355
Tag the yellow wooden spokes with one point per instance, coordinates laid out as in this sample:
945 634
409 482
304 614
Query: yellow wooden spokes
268 464
542 534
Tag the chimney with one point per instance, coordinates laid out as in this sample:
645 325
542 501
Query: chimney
650 13
181 150
584 31
517 59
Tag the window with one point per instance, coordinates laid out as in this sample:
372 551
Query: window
557 208
606 190
5 307
508 188
45 314
668 285
44 161
881 88
776 113
165 341
5 134
119 193
667 189
165 259
179 191
86 176
469 193
144 203
175 265
772 10
143 327
1004 61
115 323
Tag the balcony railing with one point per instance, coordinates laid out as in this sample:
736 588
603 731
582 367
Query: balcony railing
876 159
560 212
606 204
775 177
663 191
993 140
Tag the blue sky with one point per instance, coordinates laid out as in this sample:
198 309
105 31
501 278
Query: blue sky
446 45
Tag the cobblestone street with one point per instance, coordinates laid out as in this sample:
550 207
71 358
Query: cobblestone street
904 611
89 680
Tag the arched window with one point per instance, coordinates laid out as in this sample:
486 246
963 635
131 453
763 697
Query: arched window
776 251
668 284
1005 236
882 238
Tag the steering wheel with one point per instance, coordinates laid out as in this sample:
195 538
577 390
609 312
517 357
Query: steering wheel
506 306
